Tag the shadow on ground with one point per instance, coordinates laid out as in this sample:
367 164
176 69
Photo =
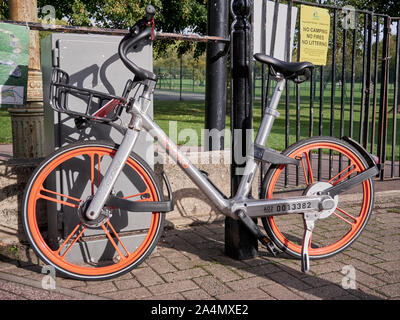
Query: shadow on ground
210 249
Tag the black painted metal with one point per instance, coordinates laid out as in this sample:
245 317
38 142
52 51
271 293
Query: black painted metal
343 93
376 69
333 88
321 117
383 111
395 100
364 81
366 119
216 74
358 57
240 243
352 78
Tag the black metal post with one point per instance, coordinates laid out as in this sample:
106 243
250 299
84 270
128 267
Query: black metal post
333 89
343 93
368 83
364 81
383 111
373 124
216 73
353 75
239 242
395 99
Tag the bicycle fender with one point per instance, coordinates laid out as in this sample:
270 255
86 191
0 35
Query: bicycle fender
371 159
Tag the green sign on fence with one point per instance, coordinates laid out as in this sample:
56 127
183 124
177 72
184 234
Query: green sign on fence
14 59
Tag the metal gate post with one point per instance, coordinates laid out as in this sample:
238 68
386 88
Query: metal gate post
216 74
383 111
239 242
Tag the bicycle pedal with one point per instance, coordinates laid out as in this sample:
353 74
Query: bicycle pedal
253 227
272 248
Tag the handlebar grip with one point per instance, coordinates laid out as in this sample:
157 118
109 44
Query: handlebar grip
128 42
137 34
150 12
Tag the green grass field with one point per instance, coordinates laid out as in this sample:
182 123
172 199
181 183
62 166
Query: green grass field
191 115
5 127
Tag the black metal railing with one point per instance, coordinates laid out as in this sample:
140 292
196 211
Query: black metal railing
358 58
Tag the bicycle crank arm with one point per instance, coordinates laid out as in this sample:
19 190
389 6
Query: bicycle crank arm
309 224
275 207
352 182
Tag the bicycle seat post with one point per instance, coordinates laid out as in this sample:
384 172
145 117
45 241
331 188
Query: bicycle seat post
270 113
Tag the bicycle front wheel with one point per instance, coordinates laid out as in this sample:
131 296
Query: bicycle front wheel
324 162
55 225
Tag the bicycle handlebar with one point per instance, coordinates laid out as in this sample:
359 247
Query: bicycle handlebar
138 33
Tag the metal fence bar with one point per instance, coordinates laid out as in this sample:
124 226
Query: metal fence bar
383 112
263 47
321 118
333 89
395 100
273 39
376 67
298 99
287 88
363 127
364 81
352 79
343 93
312 83
368 83
312 92
114 32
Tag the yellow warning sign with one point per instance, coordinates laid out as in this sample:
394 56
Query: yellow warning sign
314 34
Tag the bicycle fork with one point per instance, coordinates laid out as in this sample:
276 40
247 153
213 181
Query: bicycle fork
111 175
102 195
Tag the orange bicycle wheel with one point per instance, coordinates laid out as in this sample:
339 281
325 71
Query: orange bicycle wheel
56 227
325 161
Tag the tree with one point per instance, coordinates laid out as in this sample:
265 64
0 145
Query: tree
3 10
172 16
389 7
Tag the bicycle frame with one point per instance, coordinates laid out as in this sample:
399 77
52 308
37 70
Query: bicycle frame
228 206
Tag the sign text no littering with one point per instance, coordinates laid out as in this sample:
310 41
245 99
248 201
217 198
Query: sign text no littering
314 34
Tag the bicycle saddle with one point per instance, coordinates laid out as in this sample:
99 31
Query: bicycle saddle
296 71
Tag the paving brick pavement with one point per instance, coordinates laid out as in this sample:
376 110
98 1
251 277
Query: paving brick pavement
189 263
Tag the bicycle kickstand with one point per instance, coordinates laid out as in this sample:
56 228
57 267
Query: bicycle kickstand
309 219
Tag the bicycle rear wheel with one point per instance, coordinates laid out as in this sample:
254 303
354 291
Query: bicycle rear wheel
325 161
55 226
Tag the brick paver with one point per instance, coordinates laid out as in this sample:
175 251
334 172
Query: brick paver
190 263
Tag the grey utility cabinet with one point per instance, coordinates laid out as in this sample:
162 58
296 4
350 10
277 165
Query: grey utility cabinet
92 62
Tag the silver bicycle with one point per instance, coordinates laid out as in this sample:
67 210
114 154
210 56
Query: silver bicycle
95 172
